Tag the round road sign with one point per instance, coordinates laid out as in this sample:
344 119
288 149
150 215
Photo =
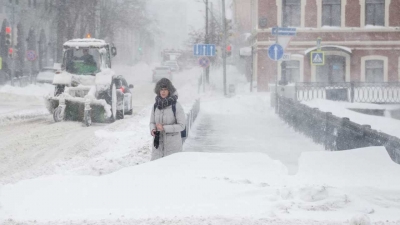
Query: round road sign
275 52
204 62
31 55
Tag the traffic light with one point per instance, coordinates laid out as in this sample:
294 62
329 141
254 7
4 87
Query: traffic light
8 36
140 50
229 29
10 52
228 50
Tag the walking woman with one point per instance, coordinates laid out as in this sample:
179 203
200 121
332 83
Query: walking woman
167 120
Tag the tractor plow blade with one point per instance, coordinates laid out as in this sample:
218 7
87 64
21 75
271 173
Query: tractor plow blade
75 110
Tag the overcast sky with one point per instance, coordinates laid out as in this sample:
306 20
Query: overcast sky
195 17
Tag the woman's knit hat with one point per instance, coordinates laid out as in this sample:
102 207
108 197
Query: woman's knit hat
164 83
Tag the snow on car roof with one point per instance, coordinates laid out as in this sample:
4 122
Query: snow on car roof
85 43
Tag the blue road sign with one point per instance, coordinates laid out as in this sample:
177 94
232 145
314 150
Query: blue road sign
283 31
275 52
204 50
317 58
31 55
204 62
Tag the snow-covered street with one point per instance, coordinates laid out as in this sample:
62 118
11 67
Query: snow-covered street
200 112
241 165
32 144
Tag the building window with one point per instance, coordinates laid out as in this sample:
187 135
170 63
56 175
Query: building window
331 13
375 12
374 71
291 71
291 13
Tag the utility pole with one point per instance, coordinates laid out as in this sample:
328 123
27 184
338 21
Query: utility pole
212 25
224 45
207 70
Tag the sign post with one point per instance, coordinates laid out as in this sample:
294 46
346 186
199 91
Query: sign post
204 50
205 63
318 57
278 53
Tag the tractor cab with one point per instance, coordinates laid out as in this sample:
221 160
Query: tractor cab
87 56
82 61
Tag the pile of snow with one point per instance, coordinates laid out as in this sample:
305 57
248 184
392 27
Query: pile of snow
21 103
349 169
207 186
24 94
341 109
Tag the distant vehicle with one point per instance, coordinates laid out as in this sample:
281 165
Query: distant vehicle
46 75
172 64
161 72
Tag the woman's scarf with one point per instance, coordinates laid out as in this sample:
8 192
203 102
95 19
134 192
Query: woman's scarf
162 103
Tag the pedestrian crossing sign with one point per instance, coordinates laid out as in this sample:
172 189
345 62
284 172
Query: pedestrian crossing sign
317 58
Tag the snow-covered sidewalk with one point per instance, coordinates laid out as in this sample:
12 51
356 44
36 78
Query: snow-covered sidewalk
247 123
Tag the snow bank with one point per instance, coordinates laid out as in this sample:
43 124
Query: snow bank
370 167
214 185
183 184
21 103
27 91
341 109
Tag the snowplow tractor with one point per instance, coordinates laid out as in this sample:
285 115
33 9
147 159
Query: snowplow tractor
86 89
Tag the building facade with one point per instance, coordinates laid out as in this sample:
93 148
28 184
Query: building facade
360 40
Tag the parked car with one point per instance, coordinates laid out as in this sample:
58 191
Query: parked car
161 72
173 65
46 75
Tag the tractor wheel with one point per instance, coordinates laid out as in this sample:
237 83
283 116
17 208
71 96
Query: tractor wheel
58 115
87 119
121 112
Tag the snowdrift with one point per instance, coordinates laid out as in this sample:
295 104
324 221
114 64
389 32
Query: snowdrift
217 184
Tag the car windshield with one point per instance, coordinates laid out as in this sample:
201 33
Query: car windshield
82 61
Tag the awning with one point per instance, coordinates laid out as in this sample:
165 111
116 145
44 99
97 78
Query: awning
346 49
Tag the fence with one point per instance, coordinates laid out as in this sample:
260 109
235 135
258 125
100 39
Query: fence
333 132
191 117
22 81
387 92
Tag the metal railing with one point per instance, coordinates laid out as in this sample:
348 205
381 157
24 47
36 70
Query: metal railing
386 92
333 132
191 117
22 81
